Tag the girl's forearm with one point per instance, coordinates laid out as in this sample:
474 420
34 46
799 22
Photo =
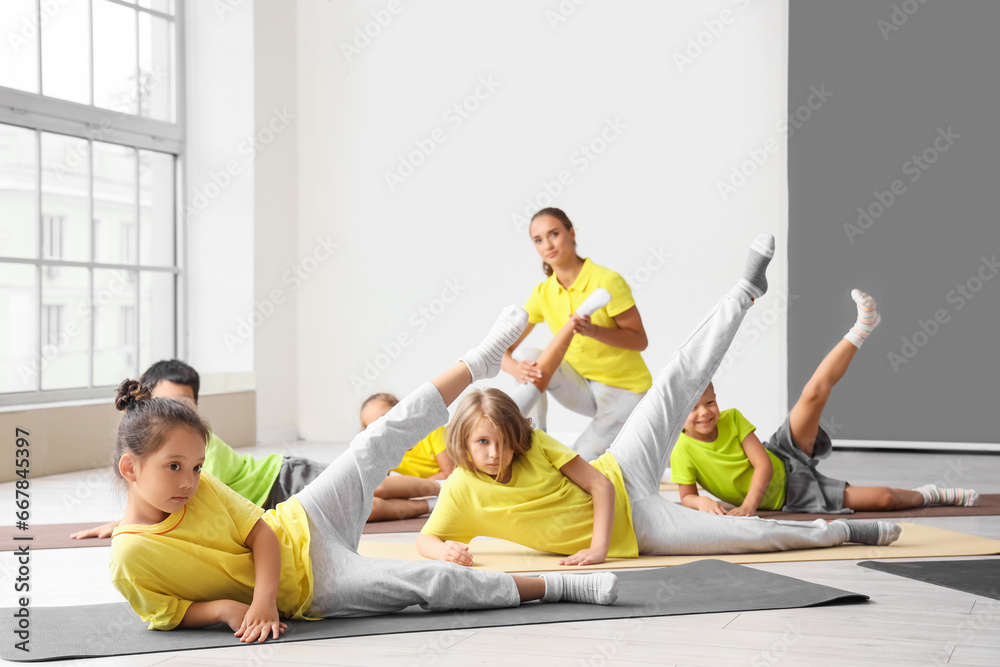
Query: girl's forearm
604 517
430 546
266 560
626 339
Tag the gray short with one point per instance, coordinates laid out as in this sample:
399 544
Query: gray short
806 489
293 476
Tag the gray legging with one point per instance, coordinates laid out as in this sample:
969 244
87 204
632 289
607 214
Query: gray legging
609 406
643 447
338 503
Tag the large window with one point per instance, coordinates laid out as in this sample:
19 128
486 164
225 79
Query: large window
90 141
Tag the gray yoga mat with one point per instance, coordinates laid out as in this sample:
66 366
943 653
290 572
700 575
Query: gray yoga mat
700 587
979 577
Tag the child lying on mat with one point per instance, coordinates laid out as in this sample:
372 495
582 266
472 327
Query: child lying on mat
191 552
523 486
720 451
272 479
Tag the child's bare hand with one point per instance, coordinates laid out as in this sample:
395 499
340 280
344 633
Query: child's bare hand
261 619
456 552
585 557
101 531
527 371
582 325
742 510
711 506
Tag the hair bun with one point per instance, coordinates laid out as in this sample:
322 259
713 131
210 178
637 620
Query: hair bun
129 394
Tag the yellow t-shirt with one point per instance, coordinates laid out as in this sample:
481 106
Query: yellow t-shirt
722 467
199 554
540 507
421 461
594 360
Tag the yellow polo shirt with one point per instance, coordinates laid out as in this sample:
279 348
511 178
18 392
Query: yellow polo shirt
421 460
199 554
550 302
539 507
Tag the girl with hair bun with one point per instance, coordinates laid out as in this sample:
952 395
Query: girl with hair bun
190 552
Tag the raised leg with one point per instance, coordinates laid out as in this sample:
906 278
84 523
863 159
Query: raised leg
643 446
803 420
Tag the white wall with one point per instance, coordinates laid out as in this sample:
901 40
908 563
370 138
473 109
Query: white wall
219 181
275 228
654 187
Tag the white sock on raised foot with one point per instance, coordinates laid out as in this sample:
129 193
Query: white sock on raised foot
868 318
483 361
597 588
599 298
754 280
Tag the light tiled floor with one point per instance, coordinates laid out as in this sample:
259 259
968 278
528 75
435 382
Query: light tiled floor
905 623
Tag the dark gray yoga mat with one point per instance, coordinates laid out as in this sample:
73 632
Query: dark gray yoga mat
700 587
979 577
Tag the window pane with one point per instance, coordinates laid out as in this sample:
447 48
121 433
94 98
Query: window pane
115 64
65 198
156 317
18 192
66 311
165 6
156 208
19 335
156 68
115 236
66 51
114 326
19 55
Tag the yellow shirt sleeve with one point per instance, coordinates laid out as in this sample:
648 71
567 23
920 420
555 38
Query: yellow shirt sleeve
159 610
621 295
534 305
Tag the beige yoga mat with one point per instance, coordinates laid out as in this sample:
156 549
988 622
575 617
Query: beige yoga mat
916 541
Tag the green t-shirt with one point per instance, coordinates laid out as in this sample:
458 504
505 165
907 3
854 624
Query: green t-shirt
722 467
251 478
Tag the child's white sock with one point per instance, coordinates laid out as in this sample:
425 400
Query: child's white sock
875 533
483 361
868 318
935 495
431 502
599 298
597 588
754 280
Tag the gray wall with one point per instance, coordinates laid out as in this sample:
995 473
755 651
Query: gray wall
893 93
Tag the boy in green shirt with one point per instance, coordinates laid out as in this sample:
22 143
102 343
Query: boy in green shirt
274 478
720 451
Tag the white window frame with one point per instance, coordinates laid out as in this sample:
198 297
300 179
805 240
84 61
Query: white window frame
48 114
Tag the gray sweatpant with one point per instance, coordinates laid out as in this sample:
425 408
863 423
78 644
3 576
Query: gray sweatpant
609 406
643 448
338 503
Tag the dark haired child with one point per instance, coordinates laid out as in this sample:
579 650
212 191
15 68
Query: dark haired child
720 451
190 552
